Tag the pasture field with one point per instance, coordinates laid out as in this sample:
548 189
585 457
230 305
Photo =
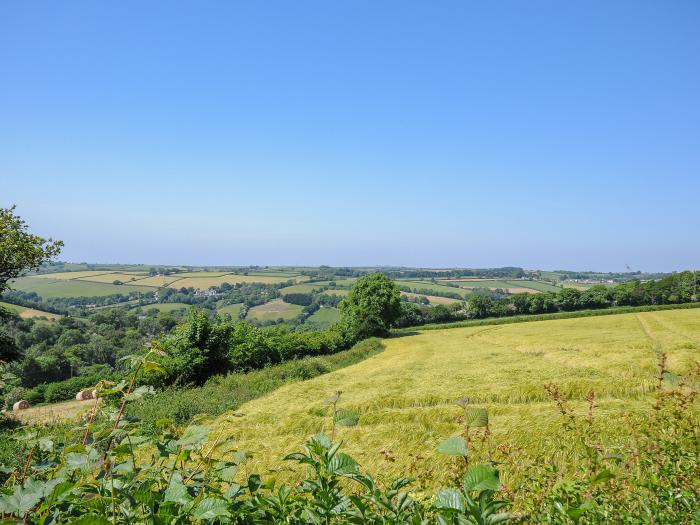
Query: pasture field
273 310
48 288
115 276
158 281
341 293
203 283
429 286
13 307
63 276
300 288
434 299
232 309
513 285
405 395
166 307
324 317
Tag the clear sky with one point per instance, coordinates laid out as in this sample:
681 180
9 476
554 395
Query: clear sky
529 133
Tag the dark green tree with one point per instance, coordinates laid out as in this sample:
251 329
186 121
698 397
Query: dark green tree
371 307
20 250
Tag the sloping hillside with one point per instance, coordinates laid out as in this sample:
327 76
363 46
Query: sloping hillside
405 395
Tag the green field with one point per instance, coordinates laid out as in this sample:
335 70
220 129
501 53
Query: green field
48 288
167 307
300 288
432 287
275 309
324 317
405 395
232 309
505 284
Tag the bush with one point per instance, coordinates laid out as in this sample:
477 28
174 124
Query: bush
66 390
223 393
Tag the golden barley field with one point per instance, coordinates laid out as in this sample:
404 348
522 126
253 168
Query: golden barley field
405 395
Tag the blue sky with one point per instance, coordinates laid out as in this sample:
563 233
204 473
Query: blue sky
537 134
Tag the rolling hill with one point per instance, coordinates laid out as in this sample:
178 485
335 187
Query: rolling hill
405 395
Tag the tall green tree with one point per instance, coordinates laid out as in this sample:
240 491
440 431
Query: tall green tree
371 307
20 250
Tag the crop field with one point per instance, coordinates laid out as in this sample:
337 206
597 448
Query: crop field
434 299
53 413
324 317
47 288
116 276
72 275
158 281
405 395
195 281
232 309
514 285
275 309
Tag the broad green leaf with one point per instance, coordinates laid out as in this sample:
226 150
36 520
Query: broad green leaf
211 508
450 499
193 437
476 417
139 392
341 463
347 418
481 477
454 446
23 499
177 491
151 366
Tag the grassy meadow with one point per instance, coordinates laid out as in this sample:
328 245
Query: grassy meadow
48 288
273 310
324 317
232 309
405 395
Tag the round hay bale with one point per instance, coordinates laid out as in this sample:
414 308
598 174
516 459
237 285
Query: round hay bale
20 405
84 395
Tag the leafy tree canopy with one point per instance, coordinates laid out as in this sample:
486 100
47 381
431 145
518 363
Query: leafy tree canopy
20 250
372 305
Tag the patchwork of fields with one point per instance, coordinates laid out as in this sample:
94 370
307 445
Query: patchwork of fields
405 395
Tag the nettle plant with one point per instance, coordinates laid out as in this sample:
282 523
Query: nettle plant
105 470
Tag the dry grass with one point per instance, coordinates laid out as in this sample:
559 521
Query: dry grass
204 283
72 275
31 313
53 413
131 278
405 394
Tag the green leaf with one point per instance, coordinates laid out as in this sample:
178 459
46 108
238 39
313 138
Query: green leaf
23 499
476 417
90 519
454 446
347 418
450 499
193 437
481 477
602 476
211 508
177 491
151 366
139 392
341 463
